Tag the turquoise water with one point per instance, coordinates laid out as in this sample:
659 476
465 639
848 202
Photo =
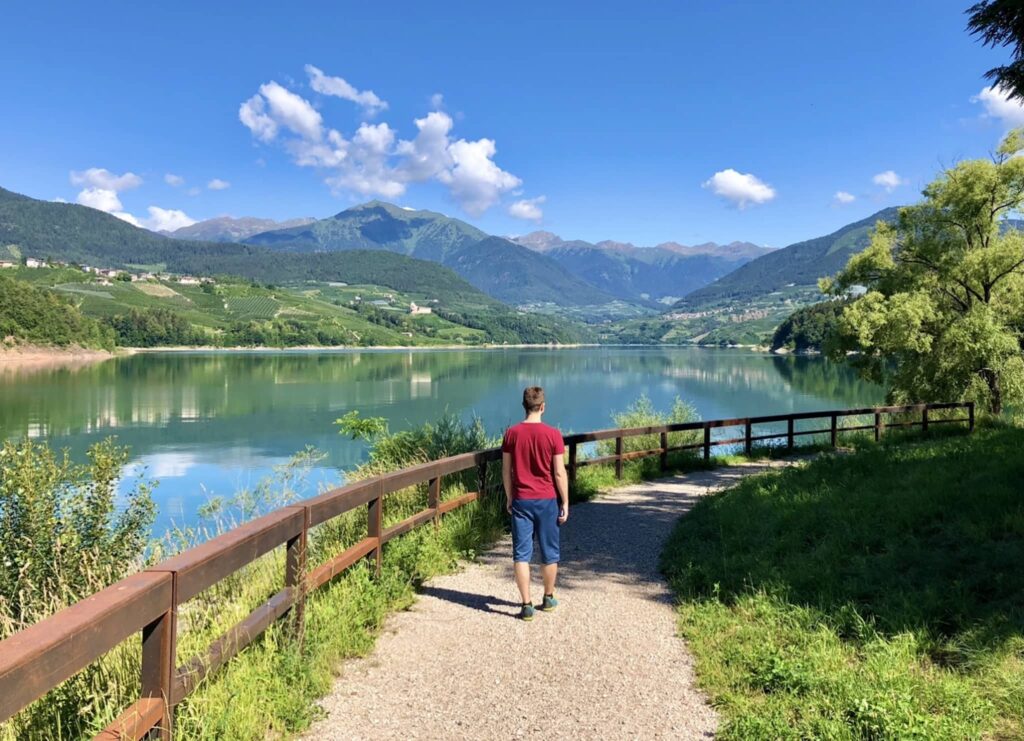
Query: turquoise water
206 424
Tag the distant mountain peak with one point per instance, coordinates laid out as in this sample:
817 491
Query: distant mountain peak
234 229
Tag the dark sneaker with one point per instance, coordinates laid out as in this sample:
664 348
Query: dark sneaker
550 603
526 613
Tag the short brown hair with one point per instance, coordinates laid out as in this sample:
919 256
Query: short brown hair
533 398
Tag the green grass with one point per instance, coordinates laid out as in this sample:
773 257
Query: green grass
874 595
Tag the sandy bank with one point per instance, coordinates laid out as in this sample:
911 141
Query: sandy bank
22 358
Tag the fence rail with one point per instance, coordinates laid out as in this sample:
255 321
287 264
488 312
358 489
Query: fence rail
38 658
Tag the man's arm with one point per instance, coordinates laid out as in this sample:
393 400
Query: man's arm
506 479
561 485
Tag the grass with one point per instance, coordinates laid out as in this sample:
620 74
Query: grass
868 596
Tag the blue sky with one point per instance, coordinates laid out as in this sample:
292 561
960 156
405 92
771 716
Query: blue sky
641 121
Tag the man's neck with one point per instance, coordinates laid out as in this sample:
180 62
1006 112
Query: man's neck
533 418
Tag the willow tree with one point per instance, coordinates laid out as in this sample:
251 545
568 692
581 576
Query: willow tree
943 312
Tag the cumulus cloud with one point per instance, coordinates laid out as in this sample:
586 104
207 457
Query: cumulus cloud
888 180
339 88
742 189
175 181
166 219
218 184
842 197
998 104
103 179
528 208
102 199
375 161
101 193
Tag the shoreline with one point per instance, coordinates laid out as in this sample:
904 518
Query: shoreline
34 357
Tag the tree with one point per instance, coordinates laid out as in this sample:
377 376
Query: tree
1001 23
943 314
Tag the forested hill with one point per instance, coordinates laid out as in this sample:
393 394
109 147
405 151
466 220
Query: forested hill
499 267
799 265
73 233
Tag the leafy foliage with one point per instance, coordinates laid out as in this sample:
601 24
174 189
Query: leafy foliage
29 314
641 413
944 310
153 328
1001 23
808 328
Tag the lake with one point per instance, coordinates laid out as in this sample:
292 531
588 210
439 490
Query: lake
206 423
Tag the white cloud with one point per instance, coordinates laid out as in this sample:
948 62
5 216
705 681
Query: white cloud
528 208
193 191
166 219
58 199
998 104
437 101
476 182
375 161
125 216
252 113
103 179
339 88
888 180
843 197
218 184
101 199
742 189
175 181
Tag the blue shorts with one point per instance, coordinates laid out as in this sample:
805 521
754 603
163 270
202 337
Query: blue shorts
532 517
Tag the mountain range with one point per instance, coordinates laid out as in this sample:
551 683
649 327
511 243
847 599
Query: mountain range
231 229
798 266
663 273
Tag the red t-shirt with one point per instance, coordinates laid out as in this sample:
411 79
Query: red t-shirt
532 446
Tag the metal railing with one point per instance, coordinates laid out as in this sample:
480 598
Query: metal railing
40 657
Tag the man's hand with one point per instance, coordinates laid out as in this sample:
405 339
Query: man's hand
508 505
563 514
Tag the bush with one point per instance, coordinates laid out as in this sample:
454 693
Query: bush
641 413
63 536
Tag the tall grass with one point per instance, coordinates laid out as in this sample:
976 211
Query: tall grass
876 595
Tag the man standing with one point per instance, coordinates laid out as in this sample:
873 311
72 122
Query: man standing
533 472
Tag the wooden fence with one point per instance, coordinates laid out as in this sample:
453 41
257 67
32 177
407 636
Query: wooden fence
38 658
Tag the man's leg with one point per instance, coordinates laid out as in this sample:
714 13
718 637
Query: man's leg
523 580
550 550
550 573
522 547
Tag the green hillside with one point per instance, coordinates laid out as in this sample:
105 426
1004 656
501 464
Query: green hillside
35 316
501 268
796 267
76 234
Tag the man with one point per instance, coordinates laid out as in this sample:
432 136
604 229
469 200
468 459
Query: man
533 472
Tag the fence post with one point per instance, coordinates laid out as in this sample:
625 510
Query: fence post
434 498
924 420
834 431
481 477
158 661
664 451
572 466
970 416
789 433
295 576
747 442
878 426
618 457
374 517
707 443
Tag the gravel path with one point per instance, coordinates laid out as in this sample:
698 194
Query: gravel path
606 664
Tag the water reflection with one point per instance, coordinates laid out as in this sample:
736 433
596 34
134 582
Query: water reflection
222 420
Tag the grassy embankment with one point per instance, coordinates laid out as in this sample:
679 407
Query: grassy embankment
868 596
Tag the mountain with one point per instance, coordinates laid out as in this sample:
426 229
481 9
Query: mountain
643 274
78 234
501 268
229 229
797 266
